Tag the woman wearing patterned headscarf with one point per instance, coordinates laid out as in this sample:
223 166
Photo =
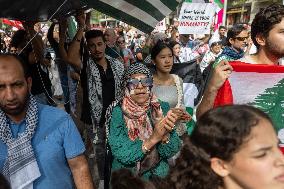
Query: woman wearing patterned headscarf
141 129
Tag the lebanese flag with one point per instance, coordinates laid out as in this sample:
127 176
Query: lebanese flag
14 23
259 85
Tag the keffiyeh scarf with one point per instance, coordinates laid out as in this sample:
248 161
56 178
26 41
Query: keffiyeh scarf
136 118
232 54
21 167
95 86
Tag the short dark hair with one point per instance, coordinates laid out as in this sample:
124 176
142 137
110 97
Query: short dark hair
264 21
219 133
94 34
233 32
125 179
19 39
21 61
160 45
173 43
222 27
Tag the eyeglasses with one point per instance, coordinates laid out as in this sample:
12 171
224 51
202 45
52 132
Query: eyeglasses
145 82
120 42
241 38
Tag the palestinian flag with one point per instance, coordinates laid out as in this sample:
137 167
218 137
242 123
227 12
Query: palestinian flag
259 85
193 85
142 14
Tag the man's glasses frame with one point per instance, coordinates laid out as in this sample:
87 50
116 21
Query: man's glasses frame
241 38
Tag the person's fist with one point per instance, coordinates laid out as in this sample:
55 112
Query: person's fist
220 73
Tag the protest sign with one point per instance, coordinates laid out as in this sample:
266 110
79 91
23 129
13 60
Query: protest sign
196 18
161 26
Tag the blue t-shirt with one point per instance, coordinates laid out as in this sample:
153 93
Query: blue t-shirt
56 139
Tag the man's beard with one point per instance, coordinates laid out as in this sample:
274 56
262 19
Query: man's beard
97 58
22 106
274 49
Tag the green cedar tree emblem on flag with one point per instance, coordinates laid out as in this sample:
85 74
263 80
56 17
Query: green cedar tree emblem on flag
272 102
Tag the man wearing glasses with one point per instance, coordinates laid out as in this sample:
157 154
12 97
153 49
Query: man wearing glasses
267 35
236 44
237 40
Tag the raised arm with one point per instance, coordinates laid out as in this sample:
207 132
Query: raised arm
73 54
37 44
50 37
62 39
220 73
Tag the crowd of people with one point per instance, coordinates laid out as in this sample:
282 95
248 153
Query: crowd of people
124 125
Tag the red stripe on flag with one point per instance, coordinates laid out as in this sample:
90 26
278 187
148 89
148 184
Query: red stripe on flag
15 23
258 68
224 95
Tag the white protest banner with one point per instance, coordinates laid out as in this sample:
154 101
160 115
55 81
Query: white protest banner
161 26
196 18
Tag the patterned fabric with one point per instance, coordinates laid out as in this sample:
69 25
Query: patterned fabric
133 69
95 86
127 153
21 167
137 68
136 117
229 54
180 127
208 58
148 59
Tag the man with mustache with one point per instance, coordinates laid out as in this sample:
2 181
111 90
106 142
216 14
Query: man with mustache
267 35
40 146
103 76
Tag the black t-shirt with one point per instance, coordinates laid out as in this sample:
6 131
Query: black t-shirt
108 92
108 89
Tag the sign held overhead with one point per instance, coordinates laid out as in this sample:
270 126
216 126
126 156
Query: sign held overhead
196 18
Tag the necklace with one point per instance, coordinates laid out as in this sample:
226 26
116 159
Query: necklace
169 81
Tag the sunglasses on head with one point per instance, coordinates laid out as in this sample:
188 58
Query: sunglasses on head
145 82
241 38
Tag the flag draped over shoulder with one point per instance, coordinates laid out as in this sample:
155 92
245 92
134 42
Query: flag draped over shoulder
259 85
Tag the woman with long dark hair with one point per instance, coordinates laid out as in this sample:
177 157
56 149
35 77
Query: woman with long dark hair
231 147
169 87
